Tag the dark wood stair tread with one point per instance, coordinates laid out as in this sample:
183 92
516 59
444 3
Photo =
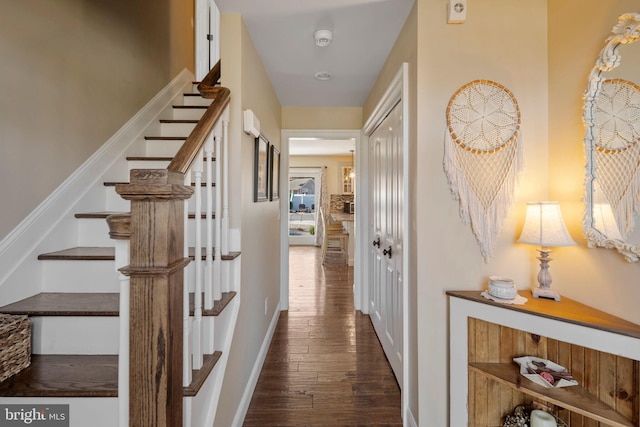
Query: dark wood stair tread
149 158
103 215
90 304
218 306
199 376
96 215
66 304
231 256
56 375
91 253
165 138
114 183
188 121
191 107
87 253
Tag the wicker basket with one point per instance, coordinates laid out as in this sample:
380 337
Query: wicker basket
15 344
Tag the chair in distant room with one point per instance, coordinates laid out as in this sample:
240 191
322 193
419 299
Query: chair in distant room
302 207
335 241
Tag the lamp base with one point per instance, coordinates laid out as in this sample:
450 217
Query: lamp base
548 293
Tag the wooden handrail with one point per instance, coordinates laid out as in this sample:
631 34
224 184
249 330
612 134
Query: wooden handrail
208 85
221 96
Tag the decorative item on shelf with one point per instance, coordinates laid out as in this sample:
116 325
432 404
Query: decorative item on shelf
503 289
483 156
519 417
543 226
541 418
544 372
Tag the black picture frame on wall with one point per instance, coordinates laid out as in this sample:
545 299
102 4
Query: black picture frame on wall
274 173
261 170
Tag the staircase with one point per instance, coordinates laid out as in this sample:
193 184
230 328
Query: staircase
77 326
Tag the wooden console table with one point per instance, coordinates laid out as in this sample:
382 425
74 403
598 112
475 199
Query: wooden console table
601 351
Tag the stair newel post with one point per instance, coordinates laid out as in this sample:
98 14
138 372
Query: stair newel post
120 231
156 296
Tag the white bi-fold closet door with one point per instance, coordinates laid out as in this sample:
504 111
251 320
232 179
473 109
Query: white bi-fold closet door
386 228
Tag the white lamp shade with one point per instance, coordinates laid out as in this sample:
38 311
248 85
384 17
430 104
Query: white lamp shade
605 221
543 226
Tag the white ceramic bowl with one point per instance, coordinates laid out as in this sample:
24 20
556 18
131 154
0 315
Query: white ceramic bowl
501 290
500 281
542 419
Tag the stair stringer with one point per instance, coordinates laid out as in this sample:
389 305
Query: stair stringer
51 225
201 409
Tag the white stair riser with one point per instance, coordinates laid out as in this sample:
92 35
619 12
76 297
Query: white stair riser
115 202
158 147
93 232
79 276
196 100
176 129
75 335
147 164
188 113
83 411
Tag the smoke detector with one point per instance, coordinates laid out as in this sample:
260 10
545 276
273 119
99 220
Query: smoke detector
323 76
323 37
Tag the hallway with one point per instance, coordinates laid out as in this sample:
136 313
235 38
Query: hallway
325 366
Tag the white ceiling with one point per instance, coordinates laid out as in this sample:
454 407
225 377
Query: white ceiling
320 147
364 32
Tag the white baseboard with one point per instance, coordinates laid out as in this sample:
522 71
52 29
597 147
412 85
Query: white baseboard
243 406
409 419
19 245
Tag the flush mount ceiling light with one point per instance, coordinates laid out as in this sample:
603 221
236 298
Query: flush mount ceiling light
323 76
323 37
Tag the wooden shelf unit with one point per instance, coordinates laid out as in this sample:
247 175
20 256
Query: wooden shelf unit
601 351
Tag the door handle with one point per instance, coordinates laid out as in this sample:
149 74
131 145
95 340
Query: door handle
376 242
387 252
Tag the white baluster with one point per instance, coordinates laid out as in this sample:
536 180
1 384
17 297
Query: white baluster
224 185
187 363
209 294
217 264
224 188
121 260
197 321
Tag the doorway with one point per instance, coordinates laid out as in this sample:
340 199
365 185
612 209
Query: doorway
333 177
305 186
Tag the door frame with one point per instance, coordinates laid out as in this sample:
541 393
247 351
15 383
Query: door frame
359 263
397 90
207 15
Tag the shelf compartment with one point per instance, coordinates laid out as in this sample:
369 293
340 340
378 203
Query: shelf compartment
574 398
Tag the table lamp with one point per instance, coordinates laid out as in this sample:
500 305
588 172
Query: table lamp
543 226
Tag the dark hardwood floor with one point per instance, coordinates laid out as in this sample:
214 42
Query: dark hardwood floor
325 366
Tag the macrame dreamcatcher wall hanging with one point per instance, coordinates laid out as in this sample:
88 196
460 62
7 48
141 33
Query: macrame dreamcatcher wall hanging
616 129
483 156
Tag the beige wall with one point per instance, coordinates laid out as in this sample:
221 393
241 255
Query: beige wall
598 277
334 118
506 42
72 73
332 163
405 50
244 74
